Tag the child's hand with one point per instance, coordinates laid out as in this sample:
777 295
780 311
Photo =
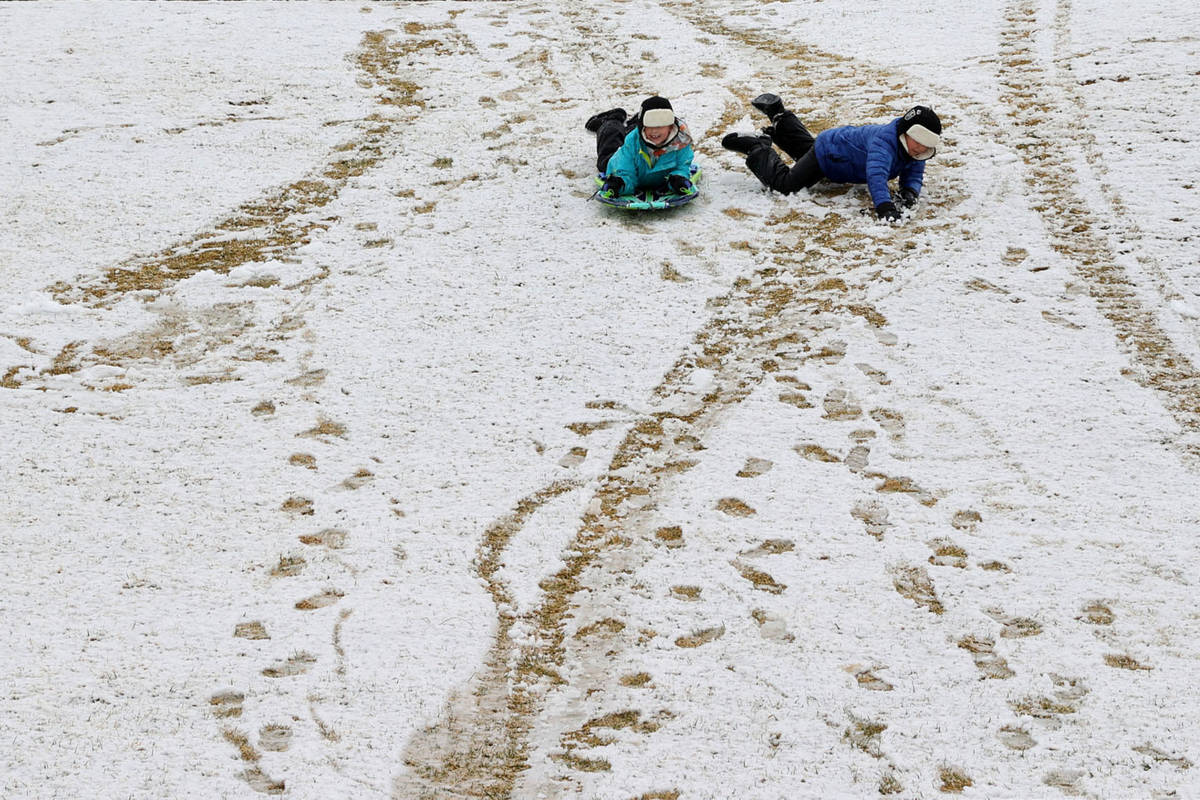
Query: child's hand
887 211
612 187
679 184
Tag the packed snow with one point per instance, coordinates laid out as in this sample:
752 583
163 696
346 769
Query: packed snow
349 451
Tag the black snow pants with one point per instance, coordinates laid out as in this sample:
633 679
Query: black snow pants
609 139
790 135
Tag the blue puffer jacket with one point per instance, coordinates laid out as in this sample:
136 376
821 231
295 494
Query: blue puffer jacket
641 166
869 154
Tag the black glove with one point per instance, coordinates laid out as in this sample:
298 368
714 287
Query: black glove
908 197
887 210
613 186
679 184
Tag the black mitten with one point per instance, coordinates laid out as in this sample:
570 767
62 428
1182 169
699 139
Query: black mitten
908 197
613 186
887 210
679 184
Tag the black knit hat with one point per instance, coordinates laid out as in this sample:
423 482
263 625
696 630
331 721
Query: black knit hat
919 124
660 112
922 116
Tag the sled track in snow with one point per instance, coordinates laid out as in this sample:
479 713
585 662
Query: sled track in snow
271 227
1032 90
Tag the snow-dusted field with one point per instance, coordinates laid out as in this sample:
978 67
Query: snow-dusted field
349 452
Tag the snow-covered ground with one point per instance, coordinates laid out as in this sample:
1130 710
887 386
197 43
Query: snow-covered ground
349 452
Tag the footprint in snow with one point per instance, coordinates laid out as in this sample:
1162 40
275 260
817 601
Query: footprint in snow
1123 661
301 506
260 782
966 520
671 536
770 547
226 704
358 480
867 679
1097 613
275 738
814 452
573 458
1068 781
250 630
320 600
1149 750
771 625
877 375
761 580
1014 627
734 507
288 567
297 664
989 662
873 515
947 554
891 421
1015 738
858 458
755 467
839 406
701 637
332 538
306 460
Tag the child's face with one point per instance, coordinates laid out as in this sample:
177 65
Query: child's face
916 149
657 135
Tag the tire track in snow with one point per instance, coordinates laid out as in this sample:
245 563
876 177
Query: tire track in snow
1040 104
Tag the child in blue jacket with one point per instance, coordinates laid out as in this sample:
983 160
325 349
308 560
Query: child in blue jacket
870 154
653 150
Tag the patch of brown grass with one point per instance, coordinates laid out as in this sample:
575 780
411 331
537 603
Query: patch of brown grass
607 625
760 579
1121 661
324 427
701 637
288 567
734 507
239 740
953 780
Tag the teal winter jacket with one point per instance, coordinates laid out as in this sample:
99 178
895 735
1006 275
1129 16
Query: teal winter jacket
640 165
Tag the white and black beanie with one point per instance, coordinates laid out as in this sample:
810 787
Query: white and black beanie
924 127
656 113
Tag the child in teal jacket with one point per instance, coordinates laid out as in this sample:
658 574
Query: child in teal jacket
653 150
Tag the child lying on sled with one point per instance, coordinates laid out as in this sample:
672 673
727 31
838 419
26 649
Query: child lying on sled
652 150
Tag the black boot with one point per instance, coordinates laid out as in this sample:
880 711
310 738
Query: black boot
745 143
769 104
596 120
